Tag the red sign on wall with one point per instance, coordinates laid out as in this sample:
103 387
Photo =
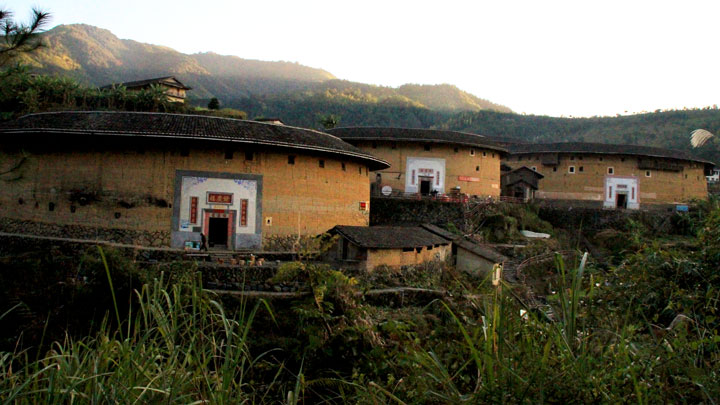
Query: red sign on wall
243 212
466 178
193 210
219 198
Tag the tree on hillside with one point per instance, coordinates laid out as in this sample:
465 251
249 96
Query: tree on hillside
329 121
17 38
214 104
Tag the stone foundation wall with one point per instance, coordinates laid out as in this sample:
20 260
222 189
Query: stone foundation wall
596 219
125 236
394 211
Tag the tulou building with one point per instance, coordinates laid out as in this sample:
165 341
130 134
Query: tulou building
429 161
163 179
610 176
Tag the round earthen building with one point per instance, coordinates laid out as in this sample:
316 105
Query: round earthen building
165 179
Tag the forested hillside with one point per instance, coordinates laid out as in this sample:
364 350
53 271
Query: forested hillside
667 129
96 57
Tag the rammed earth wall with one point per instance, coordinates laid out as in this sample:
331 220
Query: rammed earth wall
123 190
475 170
581 177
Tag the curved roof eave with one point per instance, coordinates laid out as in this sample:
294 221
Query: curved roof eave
393 134
597 148
373 162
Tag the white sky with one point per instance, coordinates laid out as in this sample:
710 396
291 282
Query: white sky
571 58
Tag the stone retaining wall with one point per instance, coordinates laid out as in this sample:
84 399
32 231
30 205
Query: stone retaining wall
125 236
392 211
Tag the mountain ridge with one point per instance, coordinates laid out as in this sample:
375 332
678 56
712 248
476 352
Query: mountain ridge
95 56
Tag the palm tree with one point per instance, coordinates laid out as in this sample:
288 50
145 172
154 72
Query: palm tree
18 38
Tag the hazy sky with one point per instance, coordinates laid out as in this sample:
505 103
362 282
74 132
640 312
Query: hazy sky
571 58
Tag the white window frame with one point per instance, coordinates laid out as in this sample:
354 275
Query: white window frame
610 170
648 173
472 152
571 169
534 168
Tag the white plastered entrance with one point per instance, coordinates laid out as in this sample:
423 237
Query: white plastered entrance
623 191
420 169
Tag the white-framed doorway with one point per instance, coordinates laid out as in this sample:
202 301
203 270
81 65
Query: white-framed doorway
622 192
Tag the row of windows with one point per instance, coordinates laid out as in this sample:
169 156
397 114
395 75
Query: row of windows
537 157
610 170
580 169
229 154
321 164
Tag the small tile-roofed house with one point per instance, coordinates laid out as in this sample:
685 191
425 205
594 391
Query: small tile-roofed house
520 183
394 246
174 88
469 256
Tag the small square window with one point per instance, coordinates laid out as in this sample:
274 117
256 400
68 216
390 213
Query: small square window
472 152
601 158
622 159
580 169
360 169
554 168
228 154
534 168
291 159
343 166
477 168
647 173
493 155
249 156
572 157
484 153
321 163
456 150
427 147
610 170
571 169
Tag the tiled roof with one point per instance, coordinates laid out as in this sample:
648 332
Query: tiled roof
525 169
389 237
186 126
482 251
603 148
416 135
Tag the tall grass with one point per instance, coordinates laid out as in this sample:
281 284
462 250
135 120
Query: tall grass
496 353
181 347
